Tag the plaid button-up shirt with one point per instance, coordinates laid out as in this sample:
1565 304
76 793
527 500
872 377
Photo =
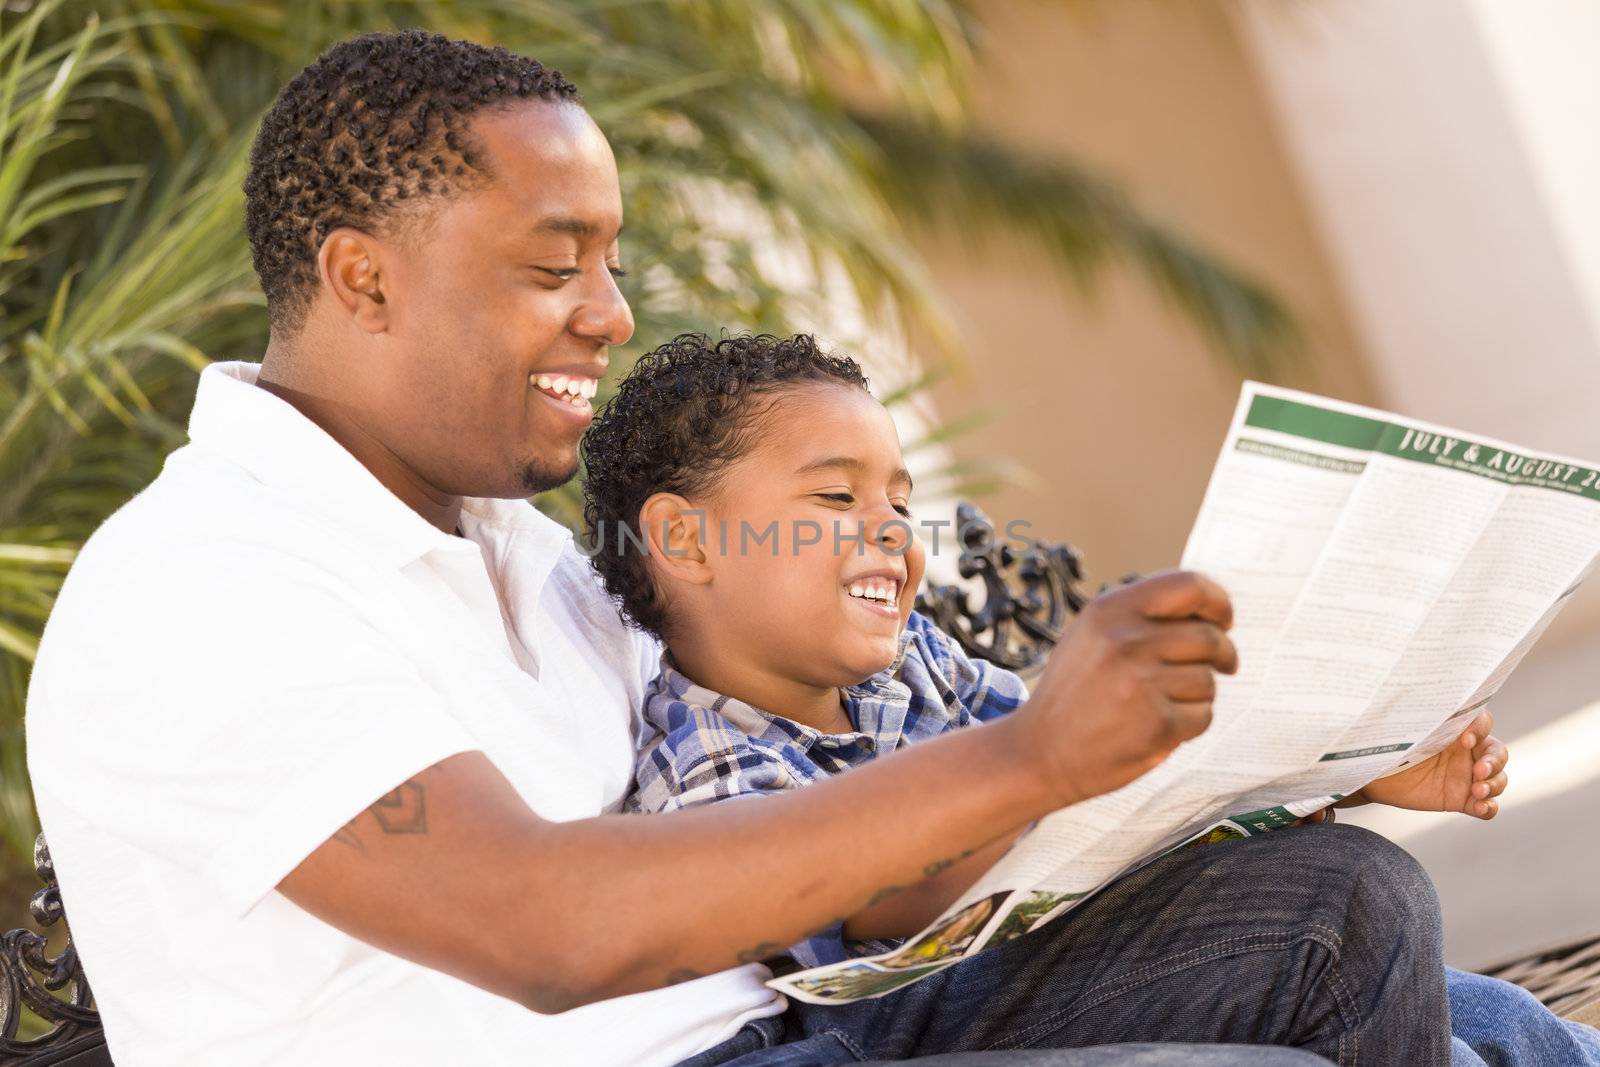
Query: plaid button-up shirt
707 746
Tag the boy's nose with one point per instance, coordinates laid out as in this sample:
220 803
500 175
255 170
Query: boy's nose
892 532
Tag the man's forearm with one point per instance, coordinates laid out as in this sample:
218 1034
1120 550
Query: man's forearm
902 914
651 900
454 871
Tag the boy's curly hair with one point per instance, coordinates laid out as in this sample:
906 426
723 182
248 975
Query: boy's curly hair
680 417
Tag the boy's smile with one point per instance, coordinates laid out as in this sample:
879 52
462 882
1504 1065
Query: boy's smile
784 622
877 591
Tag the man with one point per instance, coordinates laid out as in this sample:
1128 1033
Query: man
334 690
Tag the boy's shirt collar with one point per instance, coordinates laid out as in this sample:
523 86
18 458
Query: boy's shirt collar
879 708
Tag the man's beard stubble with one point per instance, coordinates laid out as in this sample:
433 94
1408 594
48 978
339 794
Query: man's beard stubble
541 476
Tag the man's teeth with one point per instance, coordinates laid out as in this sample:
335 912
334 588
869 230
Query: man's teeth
569 389
874 589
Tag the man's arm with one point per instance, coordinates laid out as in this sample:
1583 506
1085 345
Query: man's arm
903 911
452 869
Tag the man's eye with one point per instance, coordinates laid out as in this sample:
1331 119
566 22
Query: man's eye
904 510
838 498
618 272
564 273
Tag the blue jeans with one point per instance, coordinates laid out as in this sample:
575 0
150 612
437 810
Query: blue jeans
1323 938
1501 1025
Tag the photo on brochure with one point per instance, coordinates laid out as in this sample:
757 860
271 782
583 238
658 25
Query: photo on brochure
858 981
1033 911
948 939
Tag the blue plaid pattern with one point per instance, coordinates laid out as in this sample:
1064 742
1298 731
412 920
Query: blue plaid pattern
702 746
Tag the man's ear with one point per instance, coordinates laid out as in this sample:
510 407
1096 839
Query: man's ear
351 265
675 531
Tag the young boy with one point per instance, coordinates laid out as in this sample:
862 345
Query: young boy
770 487
747 502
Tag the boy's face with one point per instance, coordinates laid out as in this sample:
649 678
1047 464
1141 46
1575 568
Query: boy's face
821 598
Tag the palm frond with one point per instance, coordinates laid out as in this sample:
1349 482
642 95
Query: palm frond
1084 221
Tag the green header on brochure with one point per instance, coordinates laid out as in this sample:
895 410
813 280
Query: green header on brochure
1489 461
1406 442
1318 424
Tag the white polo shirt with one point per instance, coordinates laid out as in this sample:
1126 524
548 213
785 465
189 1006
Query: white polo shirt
249 653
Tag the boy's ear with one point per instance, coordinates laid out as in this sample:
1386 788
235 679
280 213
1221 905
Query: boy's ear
675 532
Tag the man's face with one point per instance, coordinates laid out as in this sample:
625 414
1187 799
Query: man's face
823 605
508 294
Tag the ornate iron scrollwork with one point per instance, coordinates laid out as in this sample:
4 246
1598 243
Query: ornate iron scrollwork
1031 590
31 978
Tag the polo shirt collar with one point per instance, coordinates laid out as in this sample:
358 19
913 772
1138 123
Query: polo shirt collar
274 443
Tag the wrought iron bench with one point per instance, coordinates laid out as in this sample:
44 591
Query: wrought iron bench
1030 592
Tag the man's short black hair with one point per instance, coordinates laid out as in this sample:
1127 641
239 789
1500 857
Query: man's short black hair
683 414
375 126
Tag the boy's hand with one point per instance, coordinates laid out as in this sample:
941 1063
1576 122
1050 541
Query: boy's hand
1131 680
1466 777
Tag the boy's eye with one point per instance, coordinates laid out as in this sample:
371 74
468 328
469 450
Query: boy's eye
904 510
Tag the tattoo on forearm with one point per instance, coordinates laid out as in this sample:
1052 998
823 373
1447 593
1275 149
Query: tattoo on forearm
940 866
403 810
884 894
346 835
768 949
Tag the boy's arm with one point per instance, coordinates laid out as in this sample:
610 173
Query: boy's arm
469 881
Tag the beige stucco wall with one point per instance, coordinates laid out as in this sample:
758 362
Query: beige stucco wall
1114 401
1424 227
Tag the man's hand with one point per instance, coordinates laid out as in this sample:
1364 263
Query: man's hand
1133 678
1466 777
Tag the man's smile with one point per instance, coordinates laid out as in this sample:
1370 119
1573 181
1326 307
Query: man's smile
571 393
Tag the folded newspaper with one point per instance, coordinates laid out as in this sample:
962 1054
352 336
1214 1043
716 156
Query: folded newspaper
1387 576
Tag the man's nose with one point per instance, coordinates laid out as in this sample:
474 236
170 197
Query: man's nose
604 315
